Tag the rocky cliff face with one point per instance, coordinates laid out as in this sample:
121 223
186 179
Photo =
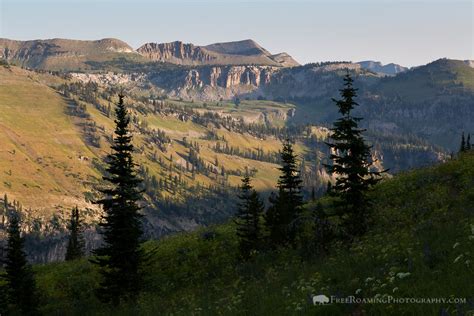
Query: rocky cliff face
213 83
176 53
245 52
228 77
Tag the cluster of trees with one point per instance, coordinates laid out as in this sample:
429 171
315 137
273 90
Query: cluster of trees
282 223
91 132
18 292
77 108
157 137
259 154
19 289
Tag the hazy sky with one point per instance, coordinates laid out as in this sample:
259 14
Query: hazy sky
405 32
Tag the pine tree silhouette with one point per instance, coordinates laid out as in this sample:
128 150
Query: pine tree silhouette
351 162
75 246
248 220
121 255
463 143
21 285
468 142
282 216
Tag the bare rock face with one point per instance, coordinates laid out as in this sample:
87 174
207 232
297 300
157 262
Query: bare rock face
248 75
193 80
175 52
214 76
211 83
109 78
224 77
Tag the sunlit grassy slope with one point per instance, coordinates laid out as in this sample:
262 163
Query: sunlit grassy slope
40 145
420 245
46 161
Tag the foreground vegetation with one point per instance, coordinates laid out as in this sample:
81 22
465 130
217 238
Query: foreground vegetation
420 244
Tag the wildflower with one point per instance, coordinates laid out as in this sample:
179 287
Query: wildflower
395 289
456 244
458 258
403 275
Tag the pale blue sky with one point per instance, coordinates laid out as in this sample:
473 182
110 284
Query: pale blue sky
406 32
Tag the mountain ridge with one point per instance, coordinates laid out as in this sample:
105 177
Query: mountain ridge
51 53
245 52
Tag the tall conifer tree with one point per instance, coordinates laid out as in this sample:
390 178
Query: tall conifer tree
463 143
282 215
468 142
351 162
248 219
21 285
121 255
75 246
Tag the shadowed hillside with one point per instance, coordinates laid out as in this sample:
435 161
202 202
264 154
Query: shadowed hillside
420 245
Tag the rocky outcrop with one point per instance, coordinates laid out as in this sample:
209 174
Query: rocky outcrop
225 77
245 52
109 78
176 53
214 82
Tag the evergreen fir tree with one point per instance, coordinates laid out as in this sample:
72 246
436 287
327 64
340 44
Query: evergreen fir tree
248 220
282 216
120 257
468 142
75 246
21 285
463 143
351 162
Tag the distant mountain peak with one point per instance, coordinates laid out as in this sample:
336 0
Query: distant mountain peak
390 69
